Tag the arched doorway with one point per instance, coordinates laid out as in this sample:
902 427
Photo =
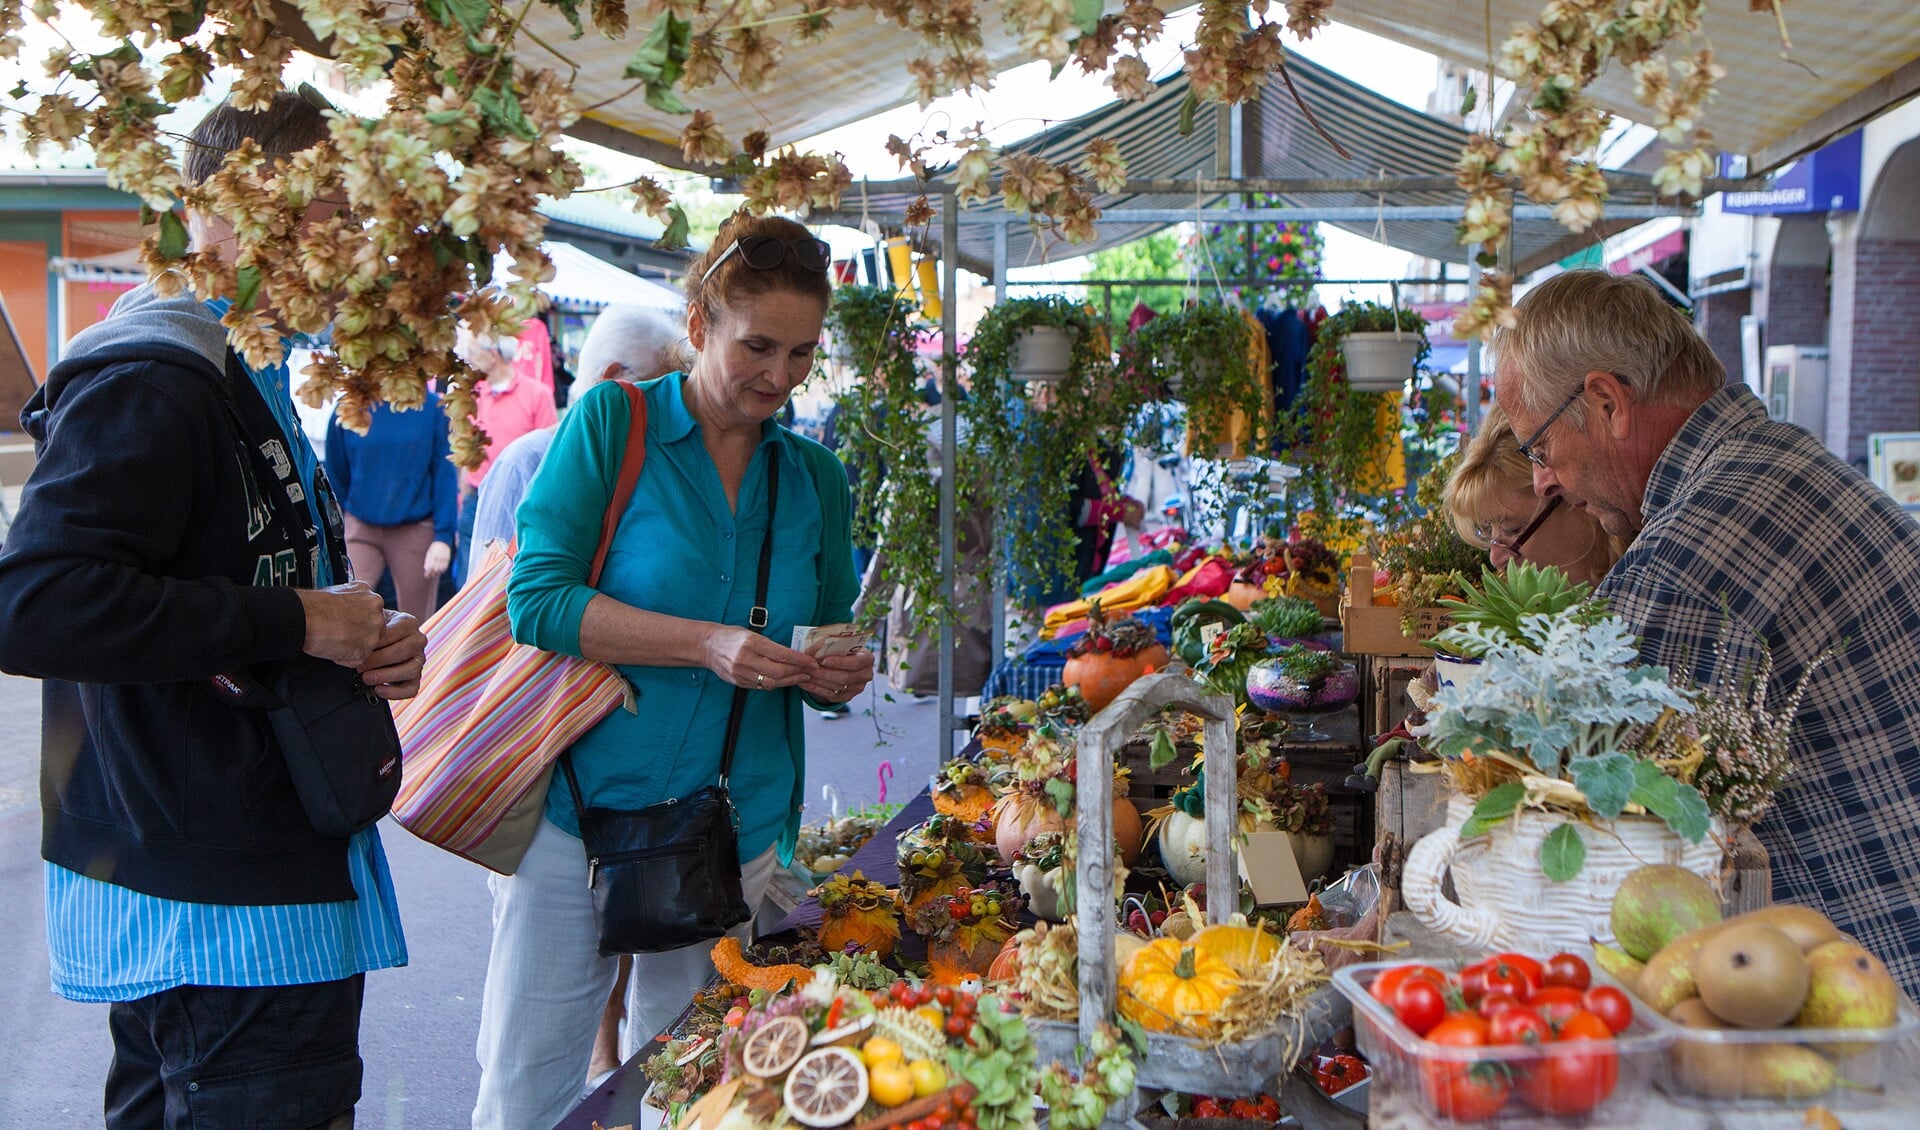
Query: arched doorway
1881 314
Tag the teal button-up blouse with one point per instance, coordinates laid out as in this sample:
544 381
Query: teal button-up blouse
680 551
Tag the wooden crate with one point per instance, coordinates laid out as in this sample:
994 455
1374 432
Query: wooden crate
1149 788
1374 629
1384 703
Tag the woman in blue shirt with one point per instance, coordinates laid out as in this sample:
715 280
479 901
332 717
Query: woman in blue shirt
671 612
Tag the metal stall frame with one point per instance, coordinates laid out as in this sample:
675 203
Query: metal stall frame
952 218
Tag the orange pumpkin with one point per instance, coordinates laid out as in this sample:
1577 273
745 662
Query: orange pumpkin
867 933
1006 964
1003 742
952 962
1242 594
1128 832
1101 676
966 800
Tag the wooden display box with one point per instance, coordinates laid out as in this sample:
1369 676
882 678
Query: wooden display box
1372 629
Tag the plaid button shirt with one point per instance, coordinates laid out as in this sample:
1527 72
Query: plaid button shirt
1757 523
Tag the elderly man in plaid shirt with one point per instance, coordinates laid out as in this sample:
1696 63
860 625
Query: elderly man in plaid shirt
1752 532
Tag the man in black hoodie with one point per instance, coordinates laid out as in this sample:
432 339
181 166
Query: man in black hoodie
177 529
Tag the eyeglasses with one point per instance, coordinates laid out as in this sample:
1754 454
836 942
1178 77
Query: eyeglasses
1527 445
1512 545
765 252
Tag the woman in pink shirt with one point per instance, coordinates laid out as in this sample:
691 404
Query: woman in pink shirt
506 407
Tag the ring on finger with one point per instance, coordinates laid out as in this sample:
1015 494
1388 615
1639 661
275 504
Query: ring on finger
760 680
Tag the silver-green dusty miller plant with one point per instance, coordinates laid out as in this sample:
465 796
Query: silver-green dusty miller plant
1566 697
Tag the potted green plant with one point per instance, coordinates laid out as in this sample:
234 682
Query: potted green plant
1552 738
882 438
1200 355
1345 437
1035 440
1500 606
1287 619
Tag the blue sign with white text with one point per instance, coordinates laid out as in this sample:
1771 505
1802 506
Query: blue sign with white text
1826 180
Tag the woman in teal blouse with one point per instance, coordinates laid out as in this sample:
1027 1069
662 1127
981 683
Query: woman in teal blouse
671 613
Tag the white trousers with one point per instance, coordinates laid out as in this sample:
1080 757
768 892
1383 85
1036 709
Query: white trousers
547 985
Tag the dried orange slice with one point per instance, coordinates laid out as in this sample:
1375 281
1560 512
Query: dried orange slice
826 1088
774 1047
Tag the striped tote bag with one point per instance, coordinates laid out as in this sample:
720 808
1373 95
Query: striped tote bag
478 743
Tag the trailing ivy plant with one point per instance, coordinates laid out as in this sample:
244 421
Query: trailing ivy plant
1336 434
1031 442
1202 349
883 439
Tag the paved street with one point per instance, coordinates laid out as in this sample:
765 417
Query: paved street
418 1031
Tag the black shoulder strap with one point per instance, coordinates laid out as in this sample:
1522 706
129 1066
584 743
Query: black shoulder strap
756 619
255 427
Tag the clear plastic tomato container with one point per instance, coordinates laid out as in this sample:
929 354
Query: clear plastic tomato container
1543 1085
1786 1069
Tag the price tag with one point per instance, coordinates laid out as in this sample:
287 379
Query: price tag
1210 633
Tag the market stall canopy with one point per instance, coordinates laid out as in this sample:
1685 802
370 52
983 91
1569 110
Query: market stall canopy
1851 59
1380 136
582 282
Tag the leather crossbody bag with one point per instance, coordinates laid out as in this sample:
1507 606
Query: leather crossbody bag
668 875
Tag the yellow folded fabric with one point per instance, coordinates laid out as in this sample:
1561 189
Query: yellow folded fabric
1141 590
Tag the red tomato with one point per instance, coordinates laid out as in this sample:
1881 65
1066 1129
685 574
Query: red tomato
1420 1005
1568 969
1523 963
1518 1026
1556 1003
1610 1005
1206 1108
1473 981
1269 1108
1503 976
1493 1004
1243 1109
1389 980
1468 1092
1568 1082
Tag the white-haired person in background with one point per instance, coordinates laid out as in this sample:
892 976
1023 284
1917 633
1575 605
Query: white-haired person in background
627 343
505 408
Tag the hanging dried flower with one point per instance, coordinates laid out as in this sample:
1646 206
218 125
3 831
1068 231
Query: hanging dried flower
1304 17
1104 165
701 142
919 213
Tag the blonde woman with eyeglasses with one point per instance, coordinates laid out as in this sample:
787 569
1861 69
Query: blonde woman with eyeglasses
1490 498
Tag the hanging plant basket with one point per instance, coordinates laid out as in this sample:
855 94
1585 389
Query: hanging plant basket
1043 354
1380 361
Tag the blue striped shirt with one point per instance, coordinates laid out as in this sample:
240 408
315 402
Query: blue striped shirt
109 943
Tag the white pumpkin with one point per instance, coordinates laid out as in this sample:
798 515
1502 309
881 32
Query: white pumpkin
1042 889
1183 844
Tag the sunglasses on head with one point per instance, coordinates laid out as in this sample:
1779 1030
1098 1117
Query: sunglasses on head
765 252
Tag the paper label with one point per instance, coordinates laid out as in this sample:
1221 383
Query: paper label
1268 866
1210 633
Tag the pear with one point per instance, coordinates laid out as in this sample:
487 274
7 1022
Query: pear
1751 975
1655 905
1619 965
1728 1070
1848 988
1668 977
1806 926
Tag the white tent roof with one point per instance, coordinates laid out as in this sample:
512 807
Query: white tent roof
1851 60
588 282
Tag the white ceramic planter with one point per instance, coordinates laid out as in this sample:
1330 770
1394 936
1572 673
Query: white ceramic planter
1380 361
1042 353
1506 902
1452 671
